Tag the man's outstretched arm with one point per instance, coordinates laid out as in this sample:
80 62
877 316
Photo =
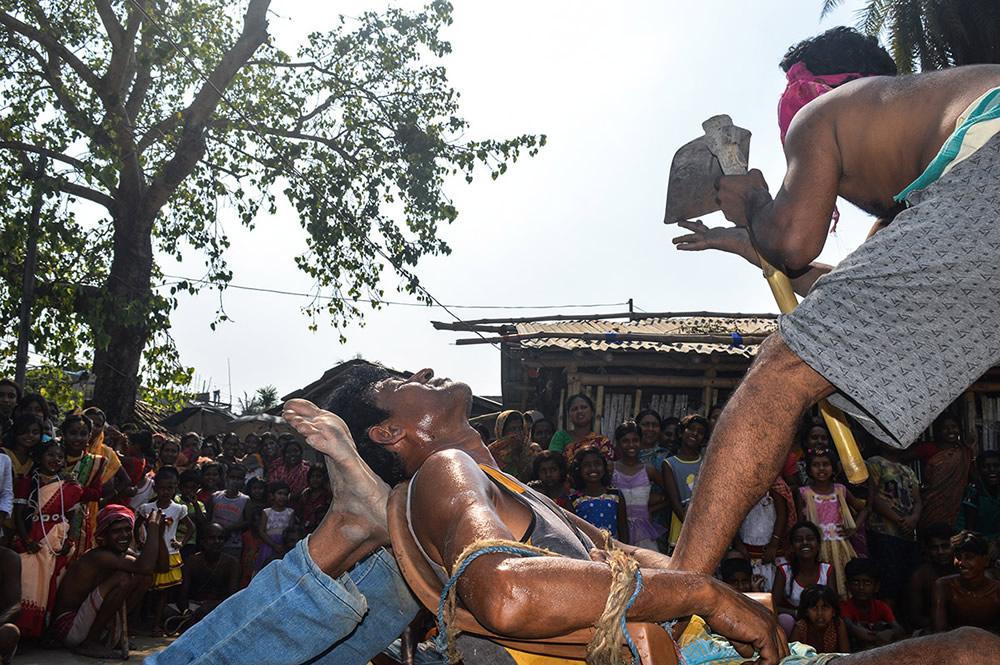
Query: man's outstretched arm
546 596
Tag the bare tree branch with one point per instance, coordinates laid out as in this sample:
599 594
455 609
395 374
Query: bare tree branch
81 191
111 24
27 147
192 143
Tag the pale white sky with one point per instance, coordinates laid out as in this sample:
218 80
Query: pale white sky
617 87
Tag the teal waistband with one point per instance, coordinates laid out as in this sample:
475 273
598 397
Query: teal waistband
988 108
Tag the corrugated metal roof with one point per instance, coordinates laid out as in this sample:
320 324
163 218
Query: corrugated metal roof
665 326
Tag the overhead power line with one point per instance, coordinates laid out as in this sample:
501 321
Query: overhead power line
303 294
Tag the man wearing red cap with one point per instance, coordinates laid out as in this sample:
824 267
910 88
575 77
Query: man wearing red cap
103 582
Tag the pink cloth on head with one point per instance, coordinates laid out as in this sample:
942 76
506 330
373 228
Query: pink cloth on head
803 87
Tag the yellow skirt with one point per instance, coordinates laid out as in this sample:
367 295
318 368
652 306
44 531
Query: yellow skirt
172 577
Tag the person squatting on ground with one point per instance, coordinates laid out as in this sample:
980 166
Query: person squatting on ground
104 582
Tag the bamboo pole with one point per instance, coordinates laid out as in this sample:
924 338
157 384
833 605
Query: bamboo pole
836 421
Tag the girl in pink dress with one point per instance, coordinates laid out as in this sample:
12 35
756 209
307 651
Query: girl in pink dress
635 480
832 508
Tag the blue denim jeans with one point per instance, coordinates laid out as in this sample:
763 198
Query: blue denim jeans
293 612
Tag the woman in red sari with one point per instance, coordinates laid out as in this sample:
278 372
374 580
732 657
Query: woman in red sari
945 465
290 468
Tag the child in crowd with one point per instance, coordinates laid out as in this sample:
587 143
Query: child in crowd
869 621
292 534
227 510
549 471
211 479
252 510
939 561
894 495
981 503
635 481
762 534
25 434
737 573
593 498
829 505
174 514
680 471
819 624
43 502
802 569
272 524
969 598
188 497
315 500
170 454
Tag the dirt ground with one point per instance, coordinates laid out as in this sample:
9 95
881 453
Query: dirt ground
141 647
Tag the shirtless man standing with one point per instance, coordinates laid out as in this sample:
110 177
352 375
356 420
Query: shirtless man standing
103 580
969 598
872 330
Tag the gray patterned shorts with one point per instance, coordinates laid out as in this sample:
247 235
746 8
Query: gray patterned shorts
911 318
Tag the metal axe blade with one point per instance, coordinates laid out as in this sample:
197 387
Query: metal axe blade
724 149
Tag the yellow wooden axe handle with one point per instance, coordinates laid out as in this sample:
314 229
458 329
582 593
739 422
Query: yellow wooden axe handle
847 447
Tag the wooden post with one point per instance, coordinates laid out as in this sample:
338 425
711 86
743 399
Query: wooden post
599 416
638 401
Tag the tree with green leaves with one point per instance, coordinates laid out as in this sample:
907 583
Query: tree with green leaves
933 34
262 400
137 121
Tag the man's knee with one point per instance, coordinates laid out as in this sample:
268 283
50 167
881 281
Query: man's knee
778 365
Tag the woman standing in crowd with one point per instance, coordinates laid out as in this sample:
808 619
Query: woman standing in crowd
581 418
290 468
945 463
512 452
88 470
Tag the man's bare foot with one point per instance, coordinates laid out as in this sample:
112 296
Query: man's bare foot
358 509
95 650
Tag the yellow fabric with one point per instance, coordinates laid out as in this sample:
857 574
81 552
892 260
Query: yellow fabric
525 658
172 577
502 478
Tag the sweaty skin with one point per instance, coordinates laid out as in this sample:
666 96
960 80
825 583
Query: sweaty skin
865 141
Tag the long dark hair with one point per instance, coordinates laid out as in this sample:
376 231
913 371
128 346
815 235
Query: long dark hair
576 476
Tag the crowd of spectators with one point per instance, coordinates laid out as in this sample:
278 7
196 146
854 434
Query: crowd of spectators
109 531
113 530
914 550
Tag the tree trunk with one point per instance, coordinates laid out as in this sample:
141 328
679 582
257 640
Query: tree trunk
127 325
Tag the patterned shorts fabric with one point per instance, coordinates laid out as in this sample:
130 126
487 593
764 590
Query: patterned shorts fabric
909 320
